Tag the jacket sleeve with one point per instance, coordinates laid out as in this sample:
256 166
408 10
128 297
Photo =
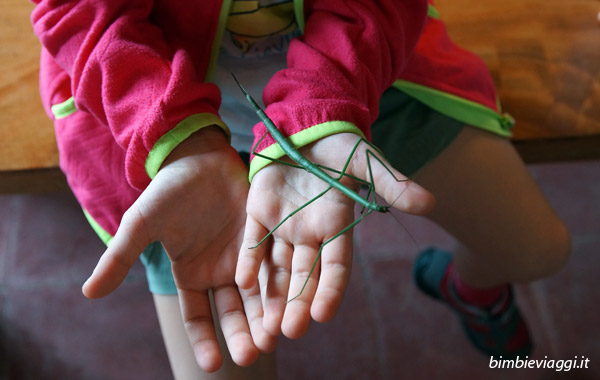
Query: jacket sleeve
126 73
351 51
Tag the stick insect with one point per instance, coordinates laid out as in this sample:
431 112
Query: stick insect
368 203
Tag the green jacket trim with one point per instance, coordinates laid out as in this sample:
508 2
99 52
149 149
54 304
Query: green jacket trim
300 139
466 111
101 232
169 141
64 109
432 12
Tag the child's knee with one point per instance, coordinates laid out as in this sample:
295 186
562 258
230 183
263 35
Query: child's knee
550 250
562 248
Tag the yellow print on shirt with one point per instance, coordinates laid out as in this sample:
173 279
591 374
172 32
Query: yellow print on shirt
251 21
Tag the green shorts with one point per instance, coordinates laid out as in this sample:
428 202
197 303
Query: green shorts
158 269
409 132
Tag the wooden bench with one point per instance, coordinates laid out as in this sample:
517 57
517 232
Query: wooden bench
544 56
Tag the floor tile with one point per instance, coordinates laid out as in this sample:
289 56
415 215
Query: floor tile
9 206
573 190
571 299
55 333
393 235
48 328
53 242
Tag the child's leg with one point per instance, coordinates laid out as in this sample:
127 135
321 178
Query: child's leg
181 357
486 198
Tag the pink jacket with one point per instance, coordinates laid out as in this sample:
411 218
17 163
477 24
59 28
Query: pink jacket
126 81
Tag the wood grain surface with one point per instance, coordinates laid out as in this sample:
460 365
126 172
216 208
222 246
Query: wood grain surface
544 56
27 136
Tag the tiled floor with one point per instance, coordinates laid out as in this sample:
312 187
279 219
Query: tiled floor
385 329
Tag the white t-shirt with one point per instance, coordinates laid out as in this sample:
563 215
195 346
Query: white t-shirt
254 47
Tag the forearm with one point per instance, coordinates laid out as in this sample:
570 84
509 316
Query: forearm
351 52
129 76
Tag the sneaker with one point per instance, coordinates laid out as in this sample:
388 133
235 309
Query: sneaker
499 330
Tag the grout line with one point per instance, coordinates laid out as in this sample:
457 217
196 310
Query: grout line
15 210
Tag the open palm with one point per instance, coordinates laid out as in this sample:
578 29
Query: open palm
195 206
290 252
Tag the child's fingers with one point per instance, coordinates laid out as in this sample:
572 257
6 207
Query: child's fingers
278 283
234 325
200 329
251 254
253 307
119 257
336 265
296 318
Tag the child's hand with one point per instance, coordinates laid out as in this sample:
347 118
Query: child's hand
285 260
196 207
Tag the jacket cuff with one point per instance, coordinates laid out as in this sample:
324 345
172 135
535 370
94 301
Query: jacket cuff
169 141
300 139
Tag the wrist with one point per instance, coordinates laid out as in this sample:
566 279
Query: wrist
203 141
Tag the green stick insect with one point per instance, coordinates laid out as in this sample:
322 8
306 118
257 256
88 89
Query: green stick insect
368 203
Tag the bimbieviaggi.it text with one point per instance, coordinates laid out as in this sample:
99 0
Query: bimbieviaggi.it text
578 362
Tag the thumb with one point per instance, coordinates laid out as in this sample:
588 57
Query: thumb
398 191
119 257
